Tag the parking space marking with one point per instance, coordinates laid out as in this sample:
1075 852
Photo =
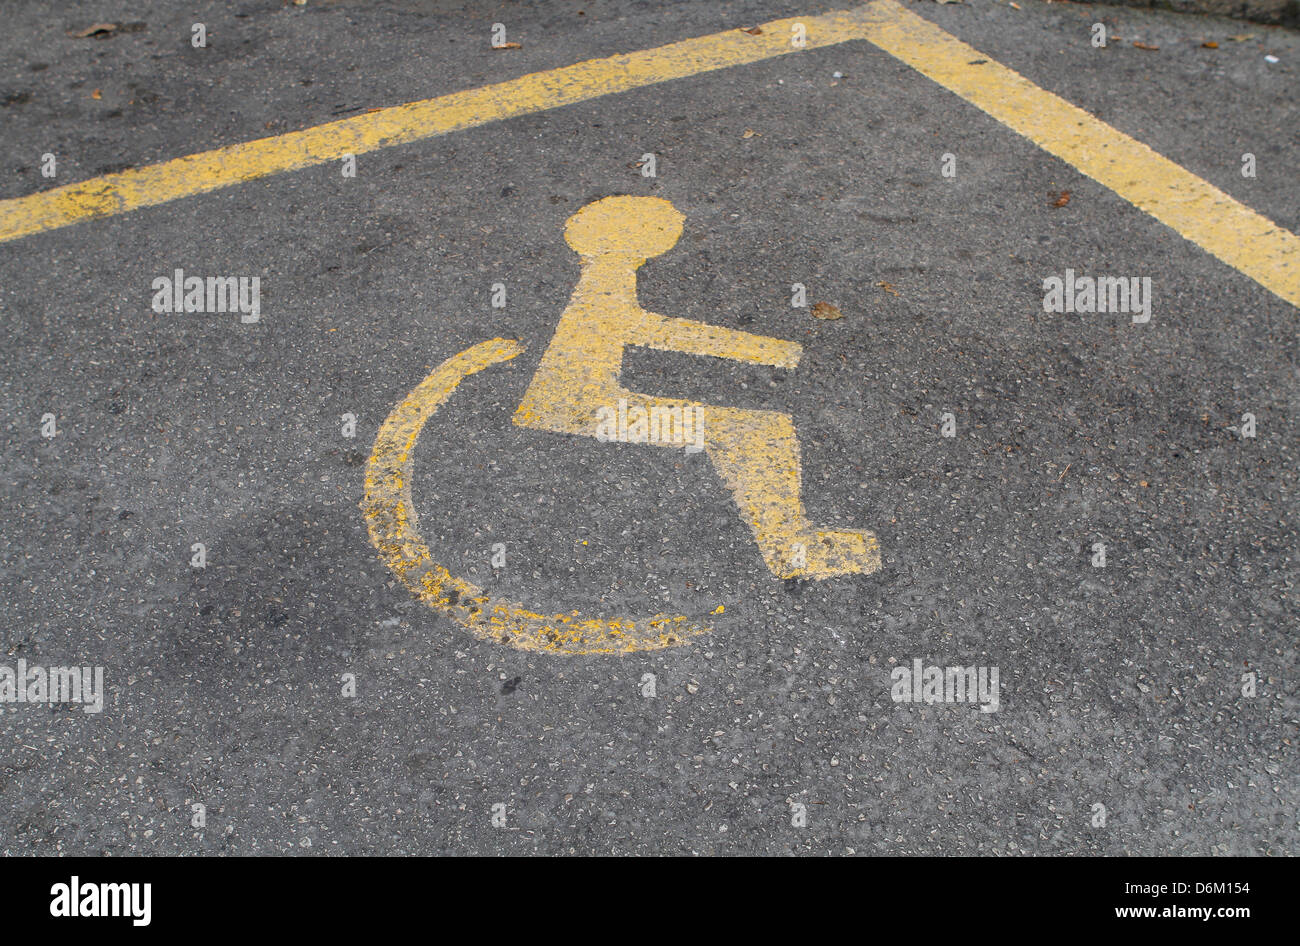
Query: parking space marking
755 452
401 124
1200 212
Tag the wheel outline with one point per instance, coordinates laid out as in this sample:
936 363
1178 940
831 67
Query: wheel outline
394 531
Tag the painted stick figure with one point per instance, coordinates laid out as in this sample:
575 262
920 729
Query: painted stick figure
755 452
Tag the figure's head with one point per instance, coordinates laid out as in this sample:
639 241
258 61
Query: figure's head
639 227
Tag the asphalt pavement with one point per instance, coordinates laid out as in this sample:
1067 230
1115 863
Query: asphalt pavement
1125 721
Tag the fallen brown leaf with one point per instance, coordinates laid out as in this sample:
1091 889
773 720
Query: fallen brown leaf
888 287
95 29
755 31
750 133
1061 200
1242 37
826 311
96 94
1210 45
1145 46
509 46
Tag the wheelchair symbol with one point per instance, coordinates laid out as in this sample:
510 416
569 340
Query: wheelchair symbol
574 391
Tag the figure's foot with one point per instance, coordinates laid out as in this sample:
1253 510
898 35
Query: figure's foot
831 553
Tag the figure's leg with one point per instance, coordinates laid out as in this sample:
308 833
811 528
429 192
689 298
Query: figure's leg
757 455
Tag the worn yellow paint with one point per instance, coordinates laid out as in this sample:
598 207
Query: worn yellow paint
394 531
755 452
1200 212
1222 226
401 124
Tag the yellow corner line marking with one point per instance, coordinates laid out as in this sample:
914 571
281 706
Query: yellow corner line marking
1200 212
1245 240
394 531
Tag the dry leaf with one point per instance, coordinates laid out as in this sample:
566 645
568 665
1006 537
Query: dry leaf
756 31
96 29
1210 45
1242 38
750 133
888 287
509 46
1014 6
950 1
1145 46
96 94
1061 200
826 312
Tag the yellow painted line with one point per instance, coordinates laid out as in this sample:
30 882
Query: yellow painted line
1200 212
394 530
401 124
577 389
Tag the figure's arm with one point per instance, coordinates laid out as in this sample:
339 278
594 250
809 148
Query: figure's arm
699 338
